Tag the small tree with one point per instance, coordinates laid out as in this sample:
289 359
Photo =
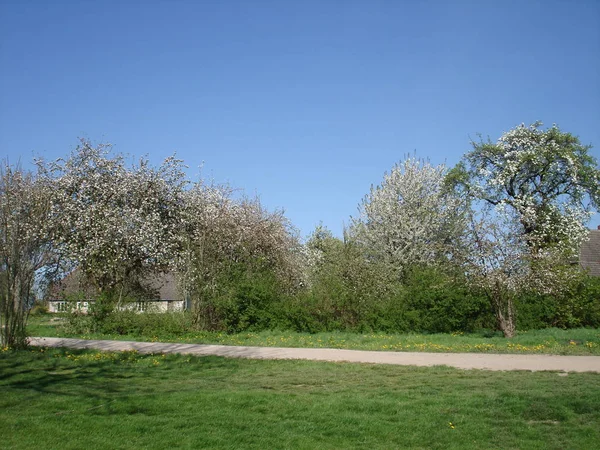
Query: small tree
24 247
347 288
411 218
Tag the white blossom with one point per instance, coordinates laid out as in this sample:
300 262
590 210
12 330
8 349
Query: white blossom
535 189
410 218
112 221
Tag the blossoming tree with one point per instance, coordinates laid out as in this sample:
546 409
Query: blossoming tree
532 193
546 177
410 218
115 223
224 233
24 247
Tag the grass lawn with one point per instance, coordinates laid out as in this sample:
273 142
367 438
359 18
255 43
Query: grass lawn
580 341
68 399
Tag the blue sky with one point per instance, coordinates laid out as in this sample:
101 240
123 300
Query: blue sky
306 103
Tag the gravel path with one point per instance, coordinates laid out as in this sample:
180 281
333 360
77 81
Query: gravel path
460 360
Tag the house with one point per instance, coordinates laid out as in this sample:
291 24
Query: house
589 254
71 292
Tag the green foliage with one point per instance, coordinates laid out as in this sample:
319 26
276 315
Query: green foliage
147 324
87 315
437 302
78 323
249 300
430 300
305 313
348 289
535 311
573 341
588 296
577 306
38 308
101 308
245 297
580 304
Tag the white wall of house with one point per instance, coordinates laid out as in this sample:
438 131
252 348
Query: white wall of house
158 306
57 306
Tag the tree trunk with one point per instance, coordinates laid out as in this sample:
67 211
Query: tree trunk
504 311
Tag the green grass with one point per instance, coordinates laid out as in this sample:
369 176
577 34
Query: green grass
58 398
580 341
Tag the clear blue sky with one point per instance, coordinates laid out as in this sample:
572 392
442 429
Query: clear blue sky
306 103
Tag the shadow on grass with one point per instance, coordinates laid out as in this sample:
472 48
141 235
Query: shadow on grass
68 373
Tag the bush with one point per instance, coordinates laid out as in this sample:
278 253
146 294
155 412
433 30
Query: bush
578 306
147 323
301 313
436 301
38 308
535 311
78 323
588 297
245 298
251 305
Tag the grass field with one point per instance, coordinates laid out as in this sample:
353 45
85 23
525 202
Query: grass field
54 398
549 341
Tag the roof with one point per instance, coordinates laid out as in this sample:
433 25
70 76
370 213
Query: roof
164 285
589 256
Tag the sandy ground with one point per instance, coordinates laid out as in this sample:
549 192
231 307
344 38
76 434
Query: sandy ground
482 361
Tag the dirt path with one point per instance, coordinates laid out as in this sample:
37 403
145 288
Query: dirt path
458 360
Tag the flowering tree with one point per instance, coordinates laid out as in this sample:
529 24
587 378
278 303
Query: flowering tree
24 247
223 233
410 218
115 223
546 177
532 192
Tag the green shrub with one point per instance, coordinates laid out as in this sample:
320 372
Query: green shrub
588 295
39 308
578 306
439 302
244 298
251 304
535 311
302 313
78 323
147 323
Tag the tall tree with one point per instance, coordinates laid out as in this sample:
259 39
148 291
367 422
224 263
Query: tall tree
531 192
24 247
